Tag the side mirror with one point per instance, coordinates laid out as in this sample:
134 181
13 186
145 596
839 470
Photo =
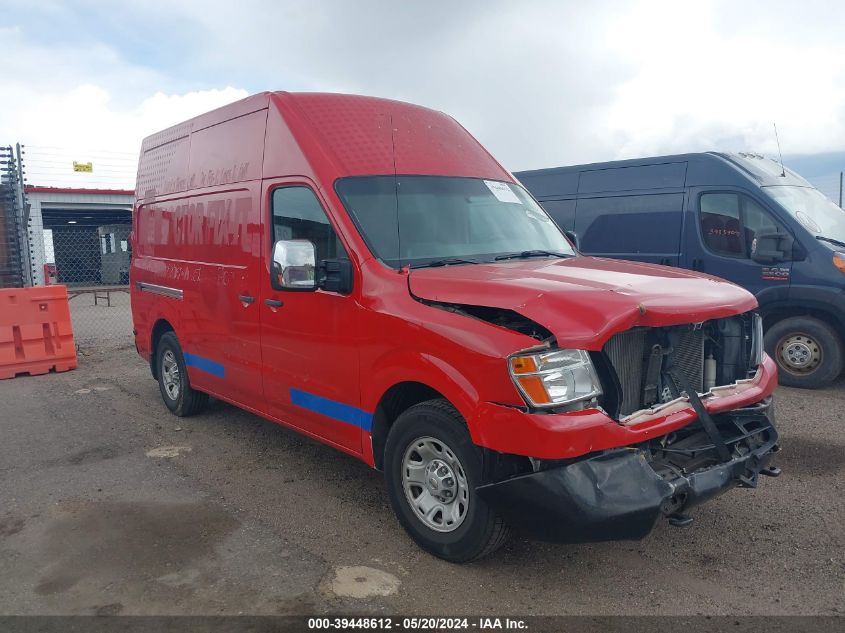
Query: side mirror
771 247
573 237
294 265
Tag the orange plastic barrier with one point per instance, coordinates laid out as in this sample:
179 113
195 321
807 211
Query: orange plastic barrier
36 334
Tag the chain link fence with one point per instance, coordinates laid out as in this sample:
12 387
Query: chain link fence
71 228
93 262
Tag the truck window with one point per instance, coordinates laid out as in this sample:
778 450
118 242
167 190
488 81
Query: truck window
730 221
630 224
298 215
562 212
720 224
756 219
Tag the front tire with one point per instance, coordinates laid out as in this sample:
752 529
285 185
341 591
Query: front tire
808 352
173 380
432 469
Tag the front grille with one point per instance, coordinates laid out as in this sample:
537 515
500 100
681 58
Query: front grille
629 353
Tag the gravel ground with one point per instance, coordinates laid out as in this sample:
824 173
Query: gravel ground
100 325
109 505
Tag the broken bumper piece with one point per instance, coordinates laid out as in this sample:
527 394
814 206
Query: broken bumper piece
620 494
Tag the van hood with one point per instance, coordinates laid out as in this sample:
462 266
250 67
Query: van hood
584 301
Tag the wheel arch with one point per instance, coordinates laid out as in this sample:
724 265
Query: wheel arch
395 401
774 313
160 328
409 380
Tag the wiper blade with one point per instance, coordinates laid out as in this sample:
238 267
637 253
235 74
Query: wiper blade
444 262
531 253
830 240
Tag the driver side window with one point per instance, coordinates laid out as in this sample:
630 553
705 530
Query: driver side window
730 222
298 215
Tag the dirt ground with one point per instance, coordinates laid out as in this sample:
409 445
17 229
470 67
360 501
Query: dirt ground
100 325
109 505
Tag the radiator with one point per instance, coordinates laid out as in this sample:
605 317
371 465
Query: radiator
628 352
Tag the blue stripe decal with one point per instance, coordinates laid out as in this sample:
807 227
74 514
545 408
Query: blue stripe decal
212 367
331 409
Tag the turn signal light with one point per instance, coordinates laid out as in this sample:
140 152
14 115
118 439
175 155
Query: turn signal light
533 387
523 365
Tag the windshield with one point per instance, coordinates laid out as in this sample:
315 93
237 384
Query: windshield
437 219
812 209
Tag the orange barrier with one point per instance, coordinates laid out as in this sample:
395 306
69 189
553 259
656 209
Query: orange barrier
36 334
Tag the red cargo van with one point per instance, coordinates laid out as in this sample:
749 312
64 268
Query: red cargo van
363 271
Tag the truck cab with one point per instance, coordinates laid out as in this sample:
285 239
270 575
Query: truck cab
741 217
364 272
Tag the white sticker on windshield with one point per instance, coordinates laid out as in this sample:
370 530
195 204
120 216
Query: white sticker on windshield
502 191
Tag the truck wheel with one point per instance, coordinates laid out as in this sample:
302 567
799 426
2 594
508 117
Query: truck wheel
808 352
173 381
432 469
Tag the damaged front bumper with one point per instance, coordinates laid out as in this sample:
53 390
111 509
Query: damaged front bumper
619 494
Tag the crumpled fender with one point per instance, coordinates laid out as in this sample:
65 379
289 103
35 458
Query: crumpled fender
406 365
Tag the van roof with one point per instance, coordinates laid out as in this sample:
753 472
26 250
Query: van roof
323 135
702 168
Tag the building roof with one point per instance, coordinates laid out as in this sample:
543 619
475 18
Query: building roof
79 190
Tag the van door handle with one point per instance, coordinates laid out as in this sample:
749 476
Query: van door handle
274 303
247 298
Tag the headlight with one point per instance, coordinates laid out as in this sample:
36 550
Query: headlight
555 377
756 340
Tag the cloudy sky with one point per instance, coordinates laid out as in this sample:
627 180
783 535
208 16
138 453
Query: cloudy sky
540 83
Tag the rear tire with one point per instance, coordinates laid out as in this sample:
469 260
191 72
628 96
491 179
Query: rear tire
432 469
808 352
173 380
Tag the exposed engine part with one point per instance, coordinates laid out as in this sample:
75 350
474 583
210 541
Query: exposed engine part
690 449
708 354
651 388
496 316
709 372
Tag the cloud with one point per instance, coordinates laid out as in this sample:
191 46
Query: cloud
709 87
88 118
540 83
548 82
88 127
84 101
521 76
